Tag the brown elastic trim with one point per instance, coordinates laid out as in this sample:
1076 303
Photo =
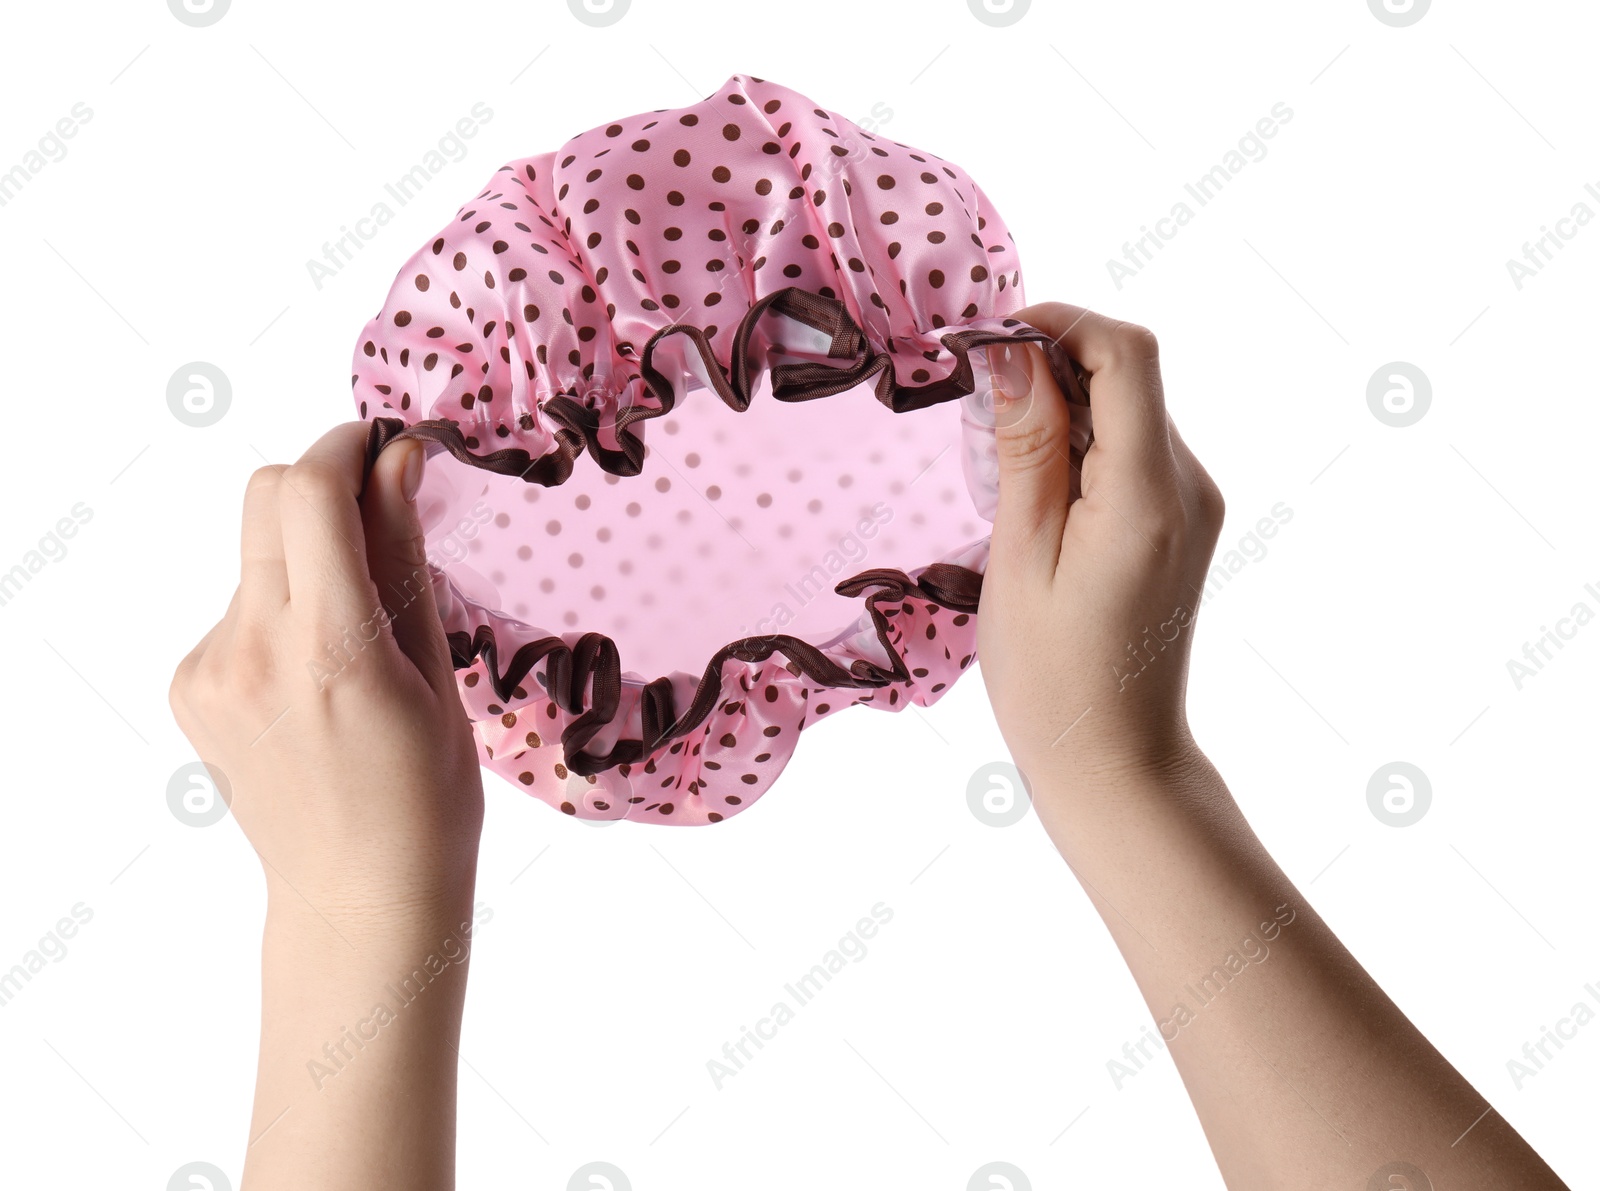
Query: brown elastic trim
569 670
586 679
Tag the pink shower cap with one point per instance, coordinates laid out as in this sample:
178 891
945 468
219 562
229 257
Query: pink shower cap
717 380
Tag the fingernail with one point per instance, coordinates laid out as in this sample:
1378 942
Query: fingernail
1011 377
411 472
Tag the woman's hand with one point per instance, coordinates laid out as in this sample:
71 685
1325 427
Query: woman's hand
324 698
1087 619
1302 1072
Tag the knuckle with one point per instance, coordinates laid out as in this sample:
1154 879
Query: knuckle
178 689
411 549
315 482
265 479
1130 341
1213 507
1030 444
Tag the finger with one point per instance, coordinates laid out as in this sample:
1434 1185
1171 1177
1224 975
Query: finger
396 554
1130 414
263 577
324 545
1033 444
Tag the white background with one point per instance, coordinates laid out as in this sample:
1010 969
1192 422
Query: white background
1377 627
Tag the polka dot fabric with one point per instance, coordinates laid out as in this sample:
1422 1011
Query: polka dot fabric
718 376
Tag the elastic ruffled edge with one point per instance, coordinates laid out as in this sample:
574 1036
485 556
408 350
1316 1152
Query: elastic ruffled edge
585 678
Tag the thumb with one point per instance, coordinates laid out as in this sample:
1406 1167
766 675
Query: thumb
398 560
1032 441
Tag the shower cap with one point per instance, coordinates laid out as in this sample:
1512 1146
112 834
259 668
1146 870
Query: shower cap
716 382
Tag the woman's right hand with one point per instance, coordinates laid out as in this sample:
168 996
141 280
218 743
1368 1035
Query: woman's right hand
1088 608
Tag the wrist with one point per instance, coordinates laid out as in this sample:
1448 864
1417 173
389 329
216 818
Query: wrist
380 922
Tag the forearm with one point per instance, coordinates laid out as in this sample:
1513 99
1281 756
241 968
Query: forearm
1302 1071
361 1017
